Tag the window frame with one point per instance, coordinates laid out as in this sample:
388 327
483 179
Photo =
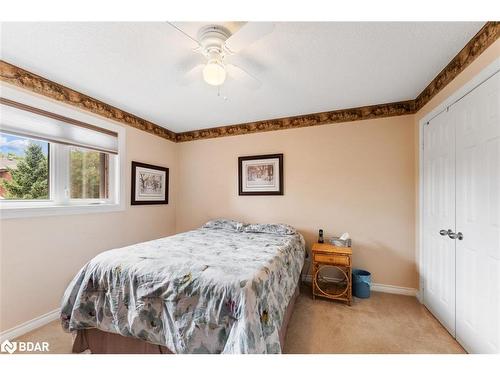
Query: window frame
59 202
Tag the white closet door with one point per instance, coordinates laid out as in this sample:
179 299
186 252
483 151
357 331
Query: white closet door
439 214
478 218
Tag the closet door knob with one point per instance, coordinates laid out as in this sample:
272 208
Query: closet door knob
443 232
454 236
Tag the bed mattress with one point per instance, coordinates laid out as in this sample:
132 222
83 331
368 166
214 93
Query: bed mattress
210 290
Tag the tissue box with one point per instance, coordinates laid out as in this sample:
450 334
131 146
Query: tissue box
336 241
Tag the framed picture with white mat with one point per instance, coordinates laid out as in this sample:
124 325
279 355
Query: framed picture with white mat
149 184
260 175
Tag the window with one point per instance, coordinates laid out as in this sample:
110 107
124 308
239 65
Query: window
56 164
88 174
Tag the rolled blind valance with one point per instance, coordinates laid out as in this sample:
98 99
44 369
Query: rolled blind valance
20 119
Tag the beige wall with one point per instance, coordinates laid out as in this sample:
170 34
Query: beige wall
353 177
39 256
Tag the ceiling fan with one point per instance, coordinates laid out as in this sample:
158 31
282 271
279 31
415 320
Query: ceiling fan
215 43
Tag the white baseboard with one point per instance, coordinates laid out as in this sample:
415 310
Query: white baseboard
392 289
384 288
29 326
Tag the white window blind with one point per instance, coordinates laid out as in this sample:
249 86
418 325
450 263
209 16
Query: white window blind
20 119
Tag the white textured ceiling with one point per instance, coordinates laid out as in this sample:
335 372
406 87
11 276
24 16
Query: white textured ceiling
304 67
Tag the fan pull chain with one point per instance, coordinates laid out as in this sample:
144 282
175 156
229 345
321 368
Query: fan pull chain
218 93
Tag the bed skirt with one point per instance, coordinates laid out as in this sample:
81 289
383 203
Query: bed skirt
100 342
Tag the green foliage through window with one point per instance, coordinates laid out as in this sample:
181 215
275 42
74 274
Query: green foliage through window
87 174
30 178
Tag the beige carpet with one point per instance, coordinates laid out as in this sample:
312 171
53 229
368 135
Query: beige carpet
384 323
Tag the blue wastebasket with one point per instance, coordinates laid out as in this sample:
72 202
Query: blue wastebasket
361 283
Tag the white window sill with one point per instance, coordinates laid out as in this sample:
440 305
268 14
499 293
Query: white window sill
53 210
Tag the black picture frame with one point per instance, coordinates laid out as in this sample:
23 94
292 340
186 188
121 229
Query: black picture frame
133 200
241 159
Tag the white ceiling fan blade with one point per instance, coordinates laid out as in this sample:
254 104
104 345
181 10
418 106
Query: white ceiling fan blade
192 75
243 76
248 34
195 44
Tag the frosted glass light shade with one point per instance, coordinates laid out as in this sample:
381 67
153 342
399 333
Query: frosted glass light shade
214 73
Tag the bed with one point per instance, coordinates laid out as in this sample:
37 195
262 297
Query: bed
226 287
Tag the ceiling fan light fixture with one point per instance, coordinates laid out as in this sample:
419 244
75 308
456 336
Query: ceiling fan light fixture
214 73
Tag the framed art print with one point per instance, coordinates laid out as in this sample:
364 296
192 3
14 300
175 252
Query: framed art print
149 184
260 175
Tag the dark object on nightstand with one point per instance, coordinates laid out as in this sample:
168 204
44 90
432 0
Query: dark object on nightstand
320 236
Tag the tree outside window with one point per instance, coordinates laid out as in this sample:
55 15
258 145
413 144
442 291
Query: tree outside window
24 168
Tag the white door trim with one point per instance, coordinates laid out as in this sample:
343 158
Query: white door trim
481 77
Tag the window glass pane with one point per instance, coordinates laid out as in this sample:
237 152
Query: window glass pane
88 174
24 168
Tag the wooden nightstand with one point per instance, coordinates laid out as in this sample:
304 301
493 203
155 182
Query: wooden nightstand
326 255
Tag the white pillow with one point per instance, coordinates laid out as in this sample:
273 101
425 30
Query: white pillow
223 224
282 229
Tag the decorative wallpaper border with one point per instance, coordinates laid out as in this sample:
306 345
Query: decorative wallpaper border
484 38
314 119
26 80
488 34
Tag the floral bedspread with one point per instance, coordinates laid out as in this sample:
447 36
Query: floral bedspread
217 289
